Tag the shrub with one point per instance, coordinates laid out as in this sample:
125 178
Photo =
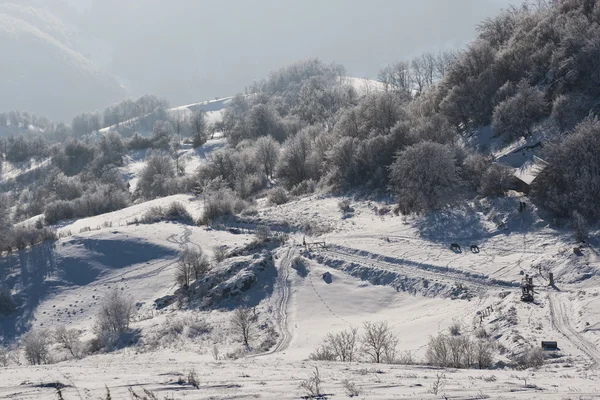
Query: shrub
112 321
455 329
177 212
37 347
68 339
351 389
531 358
278 196
221 203
156 179
580 226
495 181
338 347
424 177
220 253
459 352
312 385
344 206
263 233
192 265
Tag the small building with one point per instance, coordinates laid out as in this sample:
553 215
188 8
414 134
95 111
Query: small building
526 174
549 345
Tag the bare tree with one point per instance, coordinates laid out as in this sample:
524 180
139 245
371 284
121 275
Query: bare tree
116 312
267 154
68 339
343 344
37 347
242 322
378 341
443 62
397 77
193 264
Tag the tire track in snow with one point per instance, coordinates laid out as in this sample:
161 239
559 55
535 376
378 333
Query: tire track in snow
414 268
560 320
281 315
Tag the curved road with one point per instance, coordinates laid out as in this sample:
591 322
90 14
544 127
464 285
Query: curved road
281 315
560 319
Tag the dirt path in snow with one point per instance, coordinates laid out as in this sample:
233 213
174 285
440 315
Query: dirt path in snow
560 320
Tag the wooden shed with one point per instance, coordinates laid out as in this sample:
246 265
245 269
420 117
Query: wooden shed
526 174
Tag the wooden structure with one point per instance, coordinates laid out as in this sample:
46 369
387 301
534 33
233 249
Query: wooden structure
549 345
313 245
527 289
526 174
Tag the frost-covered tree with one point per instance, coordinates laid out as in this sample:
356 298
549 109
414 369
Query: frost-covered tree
199 128
113 319
517 115
571 182
156 177
295 164
267 154
424 177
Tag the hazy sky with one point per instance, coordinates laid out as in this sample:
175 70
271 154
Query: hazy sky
191 50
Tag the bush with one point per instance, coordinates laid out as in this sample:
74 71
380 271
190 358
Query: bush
175 212
312 385
455 329
263 233
102 199
220 253
344 206
424 177
531 358
188 326
496 180
459 352
68 339
223 202
580 226
278 196
341 346
112 321
37 347
7 303
192 265
156 179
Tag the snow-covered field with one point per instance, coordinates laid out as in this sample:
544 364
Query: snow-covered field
379 264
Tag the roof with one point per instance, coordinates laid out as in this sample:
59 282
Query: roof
530 170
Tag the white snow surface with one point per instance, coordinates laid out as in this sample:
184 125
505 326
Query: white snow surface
379 264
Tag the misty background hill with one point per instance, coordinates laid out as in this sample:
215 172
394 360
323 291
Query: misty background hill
69 56
42 72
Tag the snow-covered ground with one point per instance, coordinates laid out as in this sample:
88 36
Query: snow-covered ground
379 264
